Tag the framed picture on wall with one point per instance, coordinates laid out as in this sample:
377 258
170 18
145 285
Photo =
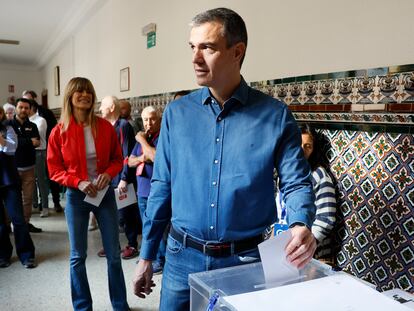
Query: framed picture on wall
124 79
56 76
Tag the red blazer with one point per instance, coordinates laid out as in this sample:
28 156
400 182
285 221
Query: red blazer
66 153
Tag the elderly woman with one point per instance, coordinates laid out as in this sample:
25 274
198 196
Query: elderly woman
84 155
11 200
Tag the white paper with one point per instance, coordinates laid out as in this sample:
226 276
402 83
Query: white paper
401 296
338 292
275 265
99 197
126 198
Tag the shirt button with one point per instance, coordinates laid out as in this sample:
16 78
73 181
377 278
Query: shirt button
219 118
215 161
214 183
212 204
211 227
217 139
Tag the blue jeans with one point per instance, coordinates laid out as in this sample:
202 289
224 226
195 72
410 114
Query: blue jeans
129 217
77 217
142 203
11 199
42 181
180 262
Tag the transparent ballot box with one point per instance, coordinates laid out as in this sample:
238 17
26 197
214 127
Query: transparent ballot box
208 288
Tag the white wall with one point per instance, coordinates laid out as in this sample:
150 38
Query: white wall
286 38
22 77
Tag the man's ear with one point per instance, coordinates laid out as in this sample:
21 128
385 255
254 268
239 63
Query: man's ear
239 51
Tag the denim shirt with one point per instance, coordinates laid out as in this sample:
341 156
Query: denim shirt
213 170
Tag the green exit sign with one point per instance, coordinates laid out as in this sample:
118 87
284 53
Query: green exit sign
151 40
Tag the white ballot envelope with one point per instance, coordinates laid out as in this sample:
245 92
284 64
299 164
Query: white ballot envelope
276 268
126 198
99 197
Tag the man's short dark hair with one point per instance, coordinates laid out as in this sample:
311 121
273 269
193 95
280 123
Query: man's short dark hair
25 100
234 28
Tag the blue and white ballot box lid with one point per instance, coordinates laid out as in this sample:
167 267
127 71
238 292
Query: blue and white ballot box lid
241 279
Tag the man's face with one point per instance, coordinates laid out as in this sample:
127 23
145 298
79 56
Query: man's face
152 123
213 62
105 108
22 110
124 110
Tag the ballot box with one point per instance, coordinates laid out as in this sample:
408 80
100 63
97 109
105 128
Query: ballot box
207 289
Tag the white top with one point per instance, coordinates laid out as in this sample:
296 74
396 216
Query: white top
41 127
90 153
10 140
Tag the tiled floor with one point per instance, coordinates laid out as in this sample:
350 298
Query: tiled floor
47 286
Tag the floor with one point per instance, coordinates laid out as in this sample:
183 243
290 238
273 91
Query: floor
47 286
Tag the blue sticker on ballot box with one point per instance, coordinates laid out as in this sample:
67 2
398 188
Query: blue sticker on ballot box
279 228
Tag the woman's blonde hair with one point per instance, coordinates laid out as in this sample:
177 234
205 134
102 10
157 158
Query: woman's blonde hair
77 84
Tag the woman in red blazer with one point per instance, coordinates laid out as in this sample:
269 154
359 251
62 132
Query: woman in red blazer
84 155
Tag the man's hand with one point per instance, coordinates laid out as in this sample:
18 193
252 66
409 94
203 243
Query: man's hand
302 246
147 150
35 142
142 282
141 137
122 186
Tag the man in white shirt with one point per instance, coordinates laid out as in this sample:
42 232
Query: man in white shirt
42 182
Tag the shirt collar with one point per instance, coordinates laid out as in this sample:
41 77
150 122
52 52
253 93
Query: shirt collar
240 94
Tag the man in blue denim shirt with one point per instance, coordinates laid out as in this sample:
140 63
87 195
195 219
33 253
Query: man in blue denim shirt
213 172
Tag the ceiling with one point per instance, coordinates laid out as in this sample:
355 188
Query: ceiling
40 26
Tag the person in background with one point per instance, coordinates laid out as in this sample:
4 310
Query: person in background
142 157
180 94
313 145
41 178
9 110
213 172
28 139
325 195
128 216
125 113
11 200
84 155
50 118
11 100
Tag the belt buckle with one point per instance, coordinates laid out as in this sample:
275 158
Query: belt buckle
215 250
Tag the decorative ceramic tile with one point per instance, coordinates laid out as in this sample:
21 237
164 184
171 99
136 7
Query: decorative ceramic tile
375 230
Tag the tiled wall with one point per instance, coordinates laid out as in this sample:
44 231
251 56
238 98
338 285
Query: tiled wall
375 228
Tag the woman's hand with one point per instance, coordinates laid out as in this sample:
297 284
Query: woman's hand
88 188
122 186
102 181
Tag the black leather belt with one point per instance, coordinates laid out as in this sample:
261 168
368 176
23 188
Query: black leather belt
217 249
